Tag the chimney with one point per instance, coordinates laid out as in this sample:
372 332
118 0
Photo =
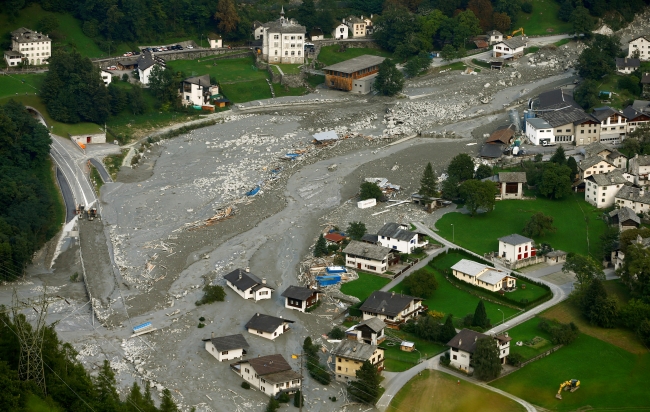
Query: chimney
460 342
248 269
392 294
362 17
257 314
263 281
239 277
475 338
354 349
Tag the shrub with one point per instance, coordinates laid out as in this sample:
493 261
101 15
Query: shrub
202 319
284 398
445 359
332 249
245 385
201 325
420 283
515 359
336 333
74 277
213 293
333 398
354 309
468 319
297 398
561 333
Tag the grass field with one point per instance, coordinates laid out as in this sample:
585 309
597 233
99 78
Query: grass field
611 378
449 299
225 71
364 286
578 225
36 404
543 19
620 97
330 55
96 179
434 391
45 173
398 361
69 29
281 91
562 42
525 332
315 80
13 84
131 126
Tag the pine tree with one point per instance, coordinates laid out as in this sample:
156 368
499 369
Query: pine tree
428 183
480 316
573 165
448 330
297 398
366 388
559 156
135 400
273 405
321 247
105 388
167 403
487 365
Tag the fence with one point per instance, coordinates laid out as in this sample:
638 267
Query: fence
540 356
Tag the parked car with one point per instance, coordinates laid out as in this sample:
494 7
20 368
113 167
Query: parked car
190 47
112 67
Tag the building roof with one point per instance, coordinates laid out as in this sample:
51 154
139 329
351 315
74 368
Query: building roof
199 80
641 105
355 350
396 231
592 161
556 253
645 79
281 377
325 136
515 239
355 64
494 33
266 323
277 26
316 31
515 42
465 340
299 292
512 177
132 61
555 99
641 160
244 280
559 117
615 177
627 62
147 60
539 123
602 113
481 43
503 134
370 238
387 303
375 324
492 277
334 237
353 19
631 113
469 267
633 194
13 53
492 150
229 342
596 148
265 365
25 35
625 213
638 37
367 250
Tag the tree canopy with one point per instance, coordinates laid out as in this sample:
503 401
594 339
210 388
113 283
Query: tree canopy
370 190
585 268
356 230
461 167
487 365
480 318
428 182
539 225
555 181
420 283
478 195
366 388
389 80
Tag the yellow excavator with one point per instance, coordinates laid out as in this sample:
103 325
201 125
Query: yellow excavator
519 30
572 385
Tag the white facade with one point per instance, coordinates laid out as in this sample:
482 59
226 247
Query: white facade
602 166
612 129
283 41
367 265
407 313
13 58
640 48
256 294
601 190
495 37
34 47
461 359
340 32
502 49
215 42
402 246
107 77
268 388
485 277
539 132
224 355
357 26
270 335
516 251
144 74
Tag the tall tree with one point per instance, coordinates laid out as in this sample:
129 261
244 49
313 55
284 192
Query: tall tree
105 388
164 86
636 270
501 22
167 403
370 190
226 16
483 171
480 318
136 101
581 21
448 330
389 80
584 267
396 26
598 308
461 167
356 230
478 195
483 10
307 14
559 157
420 283
450 188
428 182
487 365
556 181
586 94
321 247
366 388
539 225
573 165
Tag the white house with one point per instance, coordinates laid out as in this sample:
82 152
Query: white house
635 118
516 247
510 48
463 345
226 347
612 124
267 326
215 41
197 91
270 374
393 308
357 26
639 47
146 62
340 31
606 152
300 298
316 34
494 36
29 46
627 65
370 331
107 77
396 236
247 285
637 199
349 356
370 28
601 189
283 41
367 257
640 169
483 276
594 165
539 131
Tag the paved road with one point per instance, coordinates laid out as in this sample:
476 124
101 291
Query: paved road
101 169
67 160
68 197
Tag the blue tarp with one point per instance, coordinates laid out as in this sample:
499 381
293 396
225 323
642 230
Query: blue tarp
328 280
331 270
138 328
253 192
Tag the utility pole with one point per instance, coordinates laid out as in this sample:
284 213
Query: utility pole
302 353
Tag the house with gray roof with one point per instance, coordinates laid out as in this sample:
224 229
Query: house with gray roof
198 91
28 46
300 298
636 198
483 276
226 347
463 345
283 40
349 355
639 167
370 331
247 285
563 120
392 308
511 48
267 326
635 118
601 189
554 99
516 247
368 257
396 236
627 65
270 374
613 125
624 218
146 62
510 185
539 132
494 36
594 165
606 152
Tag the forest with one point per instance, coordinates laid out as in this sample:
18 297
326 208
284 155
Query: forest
29 203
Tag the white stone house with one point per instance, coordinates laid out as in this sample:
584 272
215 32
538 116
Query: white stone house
397 237
107 77
627 65
215 41
539 132
146 63
606 152
270 374
463 345
494 36
640 169
612 124
635 119
639 47
392 308
349 356
283 41
367 257
594 165
483 276
300 298
510 48
357 26
29 46
516 247
225 348
341 31
198 91
247 285
601 189
637 199
370 331
267 326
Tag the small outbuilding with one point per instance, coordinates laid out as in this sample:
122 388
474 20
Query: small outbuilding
624 218
267 326
407 346
247 285
300 298
327 137
510 185
226 347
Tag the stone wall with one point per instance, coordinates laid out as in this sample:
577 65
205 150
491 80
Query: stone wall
353 44
186 55
293 80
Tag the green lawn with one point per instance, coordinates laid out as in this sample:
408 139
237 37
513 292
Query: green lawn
129 126
290 68
577 231
621 97
562 42
330 55
543 19
246 91
399 361
12 84
225 71
364 286
453 66
114 162
315 80
37 404
435 391
280 90
611 378
449 299
525 332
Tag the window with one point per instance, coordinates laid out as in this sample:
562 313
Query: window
454 357
286 53
224 352
276 37
339 368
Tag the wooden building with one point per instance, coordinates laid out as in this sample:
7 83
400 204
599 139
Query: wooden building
343 75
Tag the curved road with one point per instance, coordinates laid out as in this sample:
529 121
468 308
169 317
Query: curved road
68 197
106 177
395 382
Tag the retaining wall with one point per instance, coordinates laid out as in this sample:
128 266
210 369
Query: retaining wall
185 55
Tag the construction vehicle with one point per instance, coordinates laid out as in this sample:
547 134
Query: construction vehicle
92 213
80 211
572 385
519 30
